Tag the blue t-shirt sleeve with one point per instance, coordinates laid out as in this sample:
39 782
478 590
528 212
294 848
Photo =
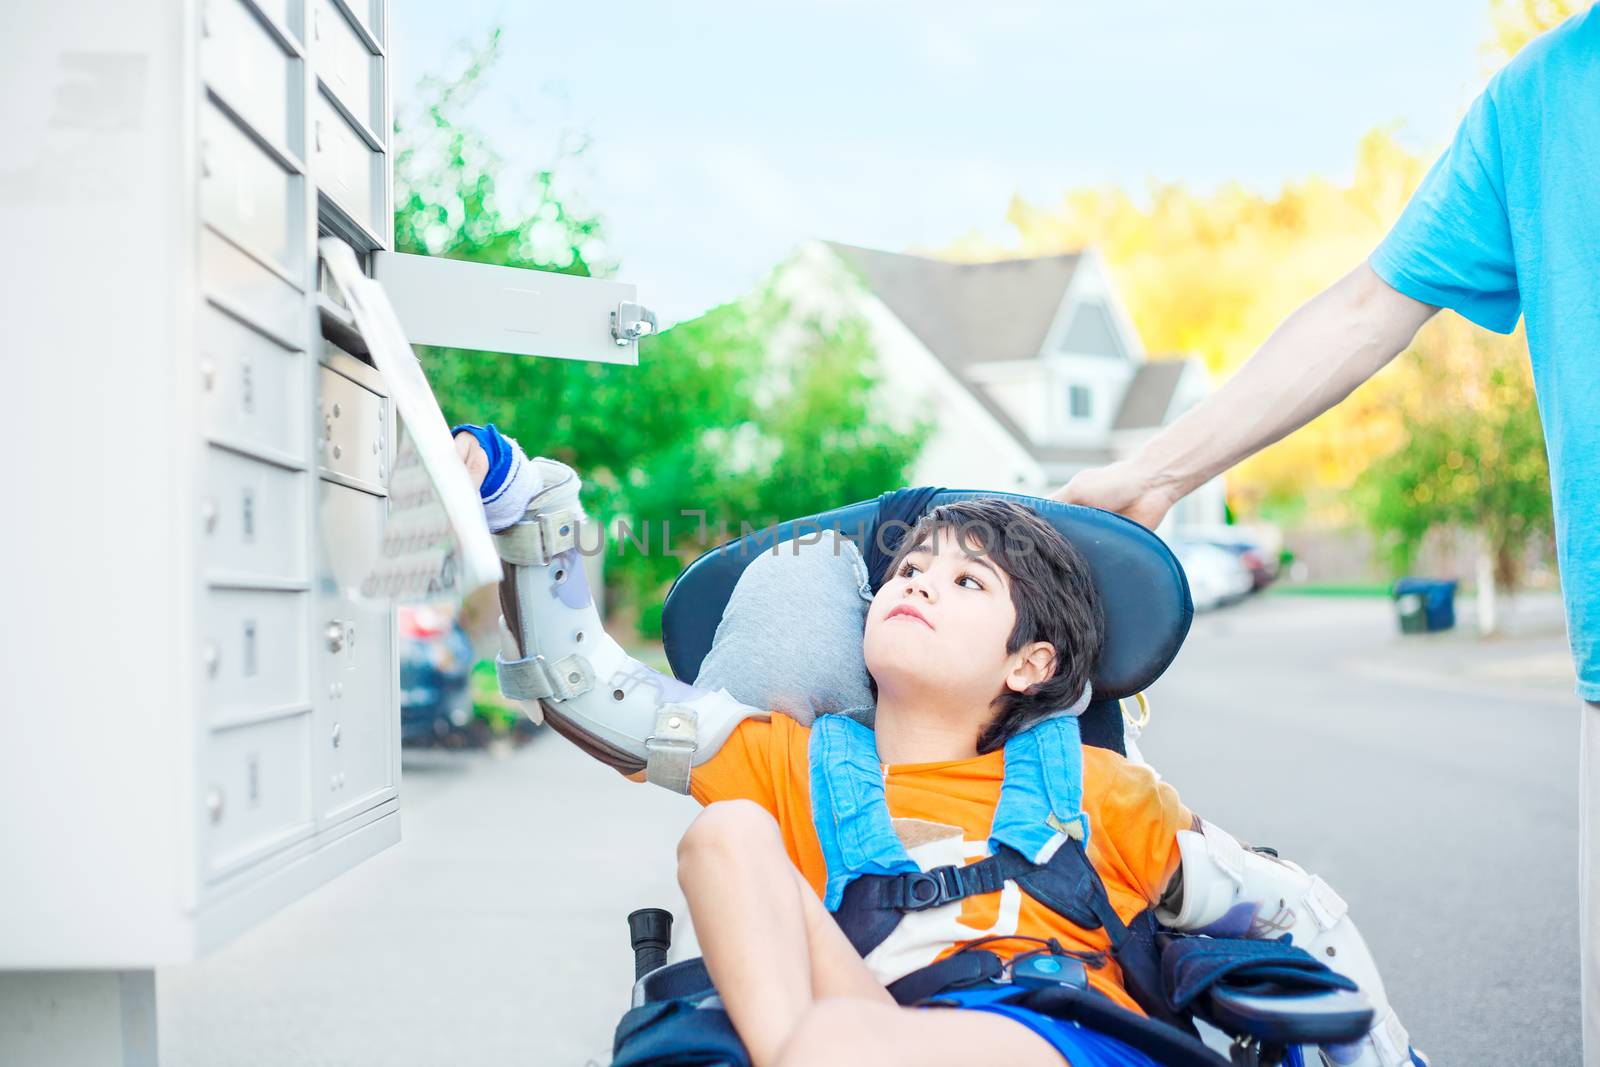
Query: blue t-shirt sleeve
1452 245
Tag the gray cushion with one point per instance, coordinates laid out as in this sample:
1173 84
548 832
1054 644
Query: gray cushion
790 637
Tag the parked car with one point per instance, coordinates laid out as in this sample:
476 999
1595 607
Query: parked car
435 674
1258 547
1217 577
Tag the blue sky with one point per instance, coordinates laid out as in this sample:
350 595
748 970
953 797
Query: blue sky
724 134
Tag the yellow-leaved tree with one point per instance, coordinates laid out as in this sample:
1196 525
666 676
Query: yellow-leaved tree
1447 437
1516 22
1211 274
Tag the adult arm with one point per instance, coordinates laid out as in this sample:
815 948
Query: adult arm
1316 358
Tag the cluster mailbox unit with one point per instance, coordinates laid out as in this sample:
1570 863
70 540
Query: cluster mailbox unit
202 710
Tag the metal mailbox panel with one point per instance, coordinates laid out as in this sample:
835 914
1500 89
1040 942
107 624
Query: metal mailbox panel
246 194
354 437
370 14
359 713
277 9
251 390
252 518
345 167
245 65
349 70
253 650
256 791
252 290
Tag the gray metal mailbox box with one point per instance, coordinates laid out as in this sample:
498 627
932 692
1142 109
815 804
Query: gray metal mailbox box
201 714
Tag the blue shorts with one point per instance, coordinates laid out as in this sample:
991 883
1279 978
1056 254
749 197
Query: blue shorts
1080 1047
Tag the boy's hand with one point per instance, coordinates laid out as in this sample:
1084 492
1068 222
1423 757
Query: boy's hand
475 458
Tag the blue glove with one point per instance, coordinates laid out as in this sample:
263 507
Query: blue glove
511 482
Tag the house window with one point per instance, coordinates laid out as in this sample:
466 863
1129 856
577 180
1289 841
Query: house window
1078 401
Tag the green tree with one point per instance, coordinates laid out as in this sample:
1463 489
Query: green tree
1473 455
705 422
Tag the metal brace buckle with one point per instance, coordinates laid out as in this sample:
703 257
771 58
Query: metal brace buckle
670 748
530 543
558 681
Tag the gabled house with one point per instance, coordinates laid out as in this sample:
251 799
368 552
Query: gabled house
1029 369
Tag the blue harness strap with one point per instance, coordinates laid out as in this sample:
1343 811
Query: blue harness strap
1037 840
849 808
1042 795
1041 799
872 881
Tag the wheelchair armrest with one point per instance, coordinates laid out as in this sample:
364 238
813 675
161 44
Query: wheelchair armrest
1331 1017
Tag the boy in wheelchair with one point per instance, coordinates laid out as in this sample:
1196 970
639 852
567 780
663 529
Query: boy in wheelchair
964 850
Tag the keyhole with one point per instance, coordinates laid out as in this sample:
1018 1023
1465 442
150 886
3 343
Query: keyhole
249 648
247 387
255 780
248 515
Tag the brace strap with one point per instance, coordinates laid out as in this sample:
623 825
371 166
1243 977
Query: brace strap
670 750
540 537
536 678
1327 907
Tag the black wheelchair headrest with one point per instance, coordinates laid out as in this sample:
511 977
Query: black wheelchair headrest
1142 586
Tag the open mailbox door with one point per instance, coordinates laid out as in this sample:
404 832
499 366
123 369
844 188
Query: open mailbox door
435 542
479 306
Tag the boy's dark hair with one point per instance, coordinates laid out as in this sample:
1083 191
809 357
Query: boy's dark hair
1051 589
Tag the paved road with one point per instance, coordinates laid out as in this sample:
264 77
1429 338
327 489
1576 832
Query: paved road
1430 780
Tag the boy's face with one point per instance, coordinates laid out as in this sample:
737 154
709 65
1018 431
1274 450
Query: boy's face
942 620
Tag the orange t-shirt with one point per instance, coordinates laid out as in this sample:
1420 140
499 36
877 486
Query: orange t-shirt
943 812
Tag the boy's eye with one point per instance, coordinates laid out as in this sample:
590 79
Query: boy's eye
906 569
969 578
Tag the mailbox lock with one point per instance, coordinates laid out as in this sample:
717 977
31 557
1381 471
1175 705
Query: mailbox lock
335 636
336 737
214 804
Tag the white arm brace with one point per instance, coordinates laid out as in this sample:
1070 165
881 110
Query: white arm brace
558 662
1232 891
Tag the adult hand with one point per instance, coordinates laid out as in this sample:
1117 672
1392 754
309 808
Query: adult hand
475 458
1119 487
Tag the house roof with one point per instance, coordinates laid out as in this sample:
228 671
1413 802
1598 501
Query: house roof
967 313
1149 395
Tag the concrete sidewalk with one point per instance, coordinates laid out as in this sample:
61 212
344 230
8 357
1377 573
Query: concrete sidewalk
495 933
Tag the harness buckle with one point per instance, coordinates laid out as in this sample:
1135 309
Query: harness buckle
929 889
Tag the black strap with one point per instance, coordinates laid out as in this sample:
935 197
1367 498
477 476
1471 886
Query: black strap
1069 885
957 972
874 903
920 890
1167 1045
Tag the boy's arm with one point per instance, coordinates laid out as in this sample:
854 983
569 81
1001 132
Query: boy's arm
1226 889
556 659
